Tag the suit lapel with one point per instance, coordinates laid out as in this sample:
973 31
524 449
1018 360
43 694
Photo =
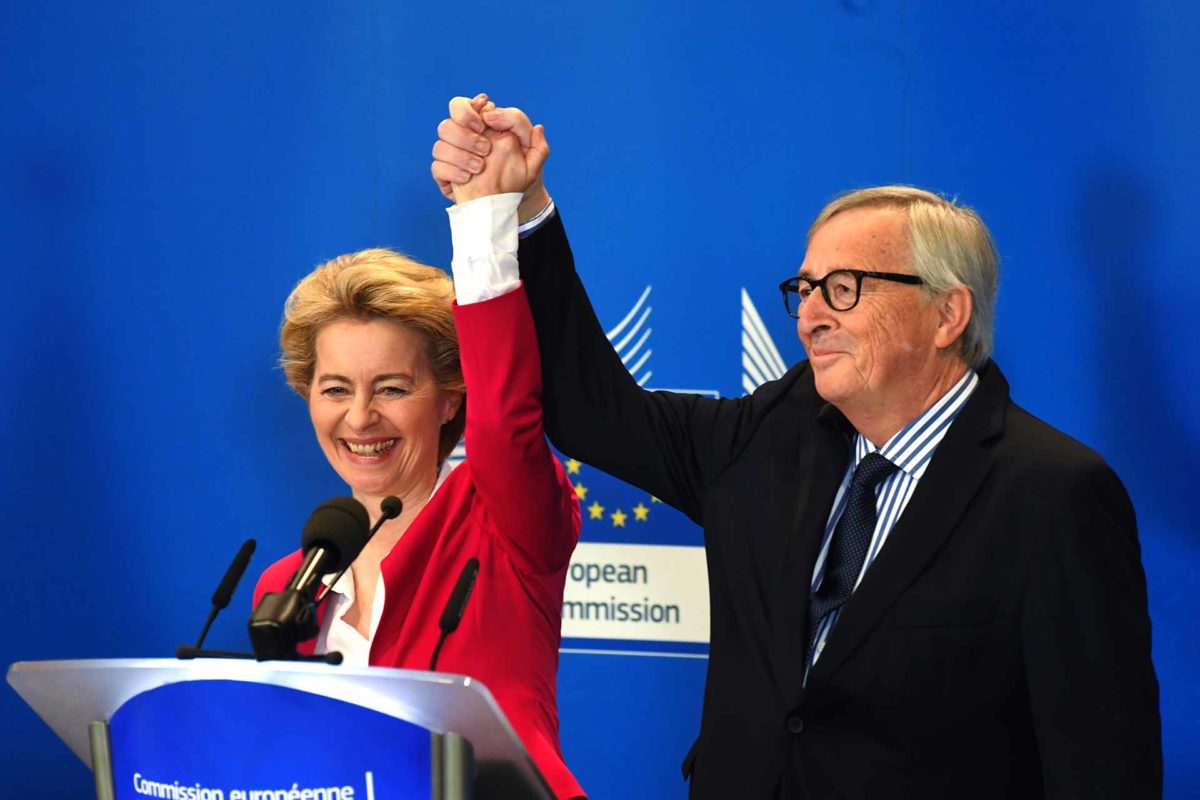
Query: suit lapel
821 466
962 461
770 504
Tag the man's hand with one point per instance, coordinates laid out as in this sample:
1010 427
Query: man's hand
510 166
484 150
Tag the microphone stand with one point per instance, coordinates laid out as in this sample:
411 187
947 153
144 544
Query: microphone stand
220 600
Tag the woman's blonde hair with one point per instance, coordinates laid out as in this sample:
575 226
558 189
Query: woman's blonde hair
368 285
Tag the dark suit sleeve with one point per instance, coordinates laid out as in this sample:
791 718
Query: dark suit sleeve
1086 633
672 445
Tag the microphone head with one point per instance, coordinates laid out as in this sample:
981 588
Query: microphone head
340 526
391 507
233 575
452 614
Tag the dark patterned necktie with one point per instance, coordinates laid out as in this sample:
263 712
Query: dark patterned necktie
849 544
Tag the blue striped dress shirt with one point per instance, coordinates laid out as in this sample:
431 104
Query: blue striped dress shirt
910 450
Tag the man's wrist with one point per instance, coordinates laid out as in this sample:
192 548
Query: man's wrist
532 204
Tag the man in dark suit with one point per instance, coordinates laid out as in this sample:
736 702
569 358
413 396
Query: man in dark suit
917 589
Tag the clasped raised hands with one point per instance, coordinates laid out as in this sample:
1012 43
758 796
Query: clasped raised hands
484 150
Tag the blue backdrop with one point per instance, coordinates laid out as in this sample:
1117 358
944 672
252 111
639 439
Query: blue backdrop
168 171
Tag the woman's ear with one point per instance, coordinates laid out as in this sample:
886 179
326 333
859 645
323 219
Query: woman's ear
451 403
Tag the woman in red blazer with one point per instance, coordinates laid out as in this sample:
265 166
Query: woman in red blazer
374 344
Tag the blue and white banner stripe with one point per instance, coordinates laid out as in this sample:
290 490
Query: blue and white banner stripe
761 361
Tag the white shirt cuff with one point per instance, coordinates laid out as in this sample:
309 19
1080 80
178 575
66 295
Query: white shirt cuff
484 234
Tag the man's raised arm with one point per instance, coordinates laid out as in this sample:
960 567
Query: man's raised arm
669 444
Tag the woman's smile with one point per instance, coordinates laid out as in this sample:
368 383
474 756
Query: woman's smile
369 451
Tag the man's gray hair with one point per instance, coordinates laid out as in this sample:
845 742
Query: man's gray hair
949 245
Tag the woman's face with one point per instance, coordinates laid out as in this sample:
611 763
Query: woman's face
376 408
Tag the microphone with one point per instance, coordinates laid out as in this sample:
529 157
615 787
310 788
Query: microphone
233 576
333 537
452 614
221 597
390 508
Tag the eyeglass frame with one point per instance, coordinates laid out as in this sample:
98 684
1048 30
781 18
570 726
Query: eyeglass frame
793 284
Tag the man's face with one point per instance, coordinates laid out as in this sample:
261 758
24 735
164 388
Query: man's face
877 354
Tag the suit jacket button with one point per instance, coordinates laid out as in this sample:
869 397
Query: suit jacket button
795 724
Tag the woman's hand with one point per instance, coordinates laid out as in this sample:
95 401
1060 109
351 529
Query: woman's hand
484 150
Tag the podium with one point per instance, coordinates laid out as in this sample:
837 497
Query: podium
216 728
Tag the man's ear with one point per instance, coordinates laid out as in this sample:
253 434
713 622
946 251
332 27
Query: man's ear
954 307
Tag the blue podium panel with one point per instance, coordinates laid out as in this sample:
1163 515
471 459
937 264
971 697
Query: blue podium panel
228 740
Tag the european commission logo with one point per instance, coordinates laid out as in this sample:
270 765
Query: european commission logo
638 581
630 509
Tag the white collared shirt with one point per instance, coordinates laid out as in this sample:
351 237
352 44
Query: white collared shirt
910 449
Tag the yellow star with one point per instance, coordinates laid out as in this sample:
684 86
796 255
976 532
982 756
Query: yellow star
595 511
573 467
581 491
654 499
641 513
618 518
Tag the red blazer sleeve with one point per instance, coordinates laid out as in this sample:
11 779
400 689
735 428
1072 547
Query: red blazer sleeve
530 504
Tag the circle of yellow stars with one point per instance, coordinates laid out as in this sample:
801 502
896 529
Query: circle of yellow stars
618 517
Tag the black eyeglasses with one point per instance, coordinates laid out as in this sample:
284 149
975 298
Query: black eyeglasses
840 288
